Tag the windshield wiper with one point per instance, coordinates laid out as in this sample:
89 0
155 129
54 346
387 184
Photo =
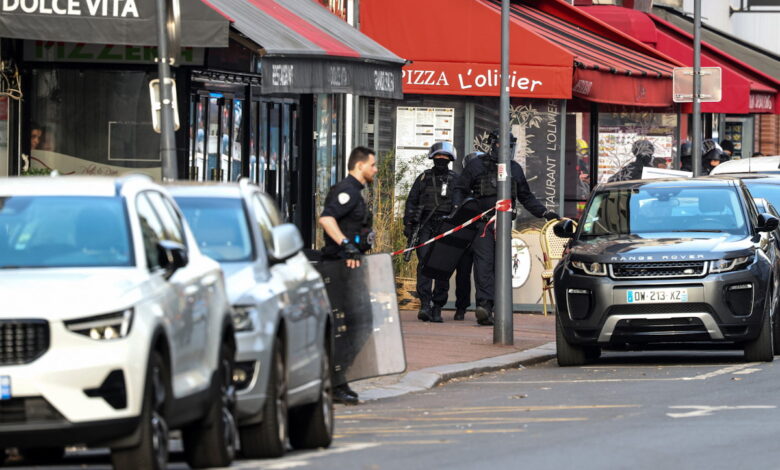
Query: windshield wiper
699 230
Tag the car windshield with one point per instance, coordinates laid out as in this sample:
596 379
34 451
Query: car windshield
770 192
63 232
220 227
657 209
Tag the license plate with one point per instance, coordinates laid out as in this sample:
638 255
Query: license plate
645 296
5 387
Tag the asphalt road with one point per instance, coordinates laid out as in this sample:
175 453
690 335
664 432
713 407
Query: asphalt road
651 410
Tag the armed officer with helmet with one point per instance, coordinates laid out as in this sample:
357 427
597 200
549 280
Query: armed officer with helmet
429 200
480 180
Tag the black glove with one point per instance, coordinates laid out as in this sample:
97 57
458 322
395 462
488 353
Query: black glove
550 215
449 216
408 231
351 251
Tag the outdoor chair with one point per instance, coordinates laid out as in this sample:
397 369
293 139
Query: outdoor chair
552 251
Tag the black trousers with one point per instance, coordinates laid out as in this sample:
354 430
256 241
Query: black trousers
463 280
484 272
429 290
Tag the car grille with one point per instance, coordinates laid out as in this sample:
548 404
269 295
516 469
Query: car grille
659 270
28 410
640 309
22 342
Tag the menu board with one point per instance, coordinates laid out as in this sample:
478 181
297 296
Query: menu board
416 129
615 150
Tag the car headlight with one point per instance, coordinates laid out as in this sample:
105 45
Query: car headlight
592 269
244 317
109 326
731 264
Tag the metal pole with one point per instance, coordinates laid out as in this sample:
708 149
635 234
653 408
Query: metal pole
167 137
503 331
696 143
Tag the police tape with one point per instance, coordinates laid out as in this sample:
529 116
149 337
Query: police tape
504 205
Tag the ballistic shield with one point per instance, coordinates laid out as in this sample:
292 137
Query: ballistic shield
443 257
367 328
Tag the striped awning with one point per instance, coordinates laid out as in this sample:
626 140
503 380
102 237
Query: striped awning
605 70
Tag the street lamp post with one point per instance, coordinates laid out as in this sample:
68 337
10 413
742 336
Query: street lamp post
503 331
696 144
167 137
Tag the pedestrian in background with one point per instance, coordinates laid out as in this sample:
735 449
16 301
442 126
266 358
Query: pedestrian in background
686 156
480 180
727 148
659 162
711 156
643 151
429 200
347 223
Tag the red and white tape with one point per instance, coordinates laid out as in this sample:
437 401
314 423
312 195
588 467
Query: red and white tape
504 205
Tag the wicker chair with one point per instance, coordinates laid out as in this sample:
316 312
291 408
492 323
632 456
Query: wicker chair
552 250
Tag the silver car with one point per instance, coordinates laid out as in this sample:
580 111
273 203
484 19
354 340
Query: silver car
282 316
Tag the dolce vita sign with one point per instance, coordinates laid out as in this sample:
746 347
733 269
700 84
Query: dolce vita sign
77 8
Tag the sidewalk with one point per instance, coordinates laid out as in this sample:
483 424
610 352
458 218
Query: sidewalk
436 352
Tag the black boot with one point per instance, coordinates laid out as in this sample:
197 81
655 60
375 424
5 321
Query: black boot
484 315
340 395
436 314
424 314
460 314
349 390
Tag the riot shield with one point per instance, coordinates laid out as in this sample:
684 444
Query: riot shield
443 257
367 328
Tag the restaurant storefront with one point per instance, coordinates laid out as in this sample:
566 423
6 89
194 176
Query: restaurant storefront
249 103
573 81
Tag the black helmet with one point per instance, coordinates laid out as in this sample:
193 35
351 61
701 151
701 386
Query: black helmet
686 149
727 145
643 147
443 148
711 151
467 159
494 139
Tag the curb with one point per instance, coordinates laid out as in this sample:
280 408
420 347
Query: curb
426 379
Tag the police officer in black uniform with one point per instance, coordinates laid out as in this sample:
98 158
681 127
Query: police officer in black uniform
347 223
480 180
429 200
465 265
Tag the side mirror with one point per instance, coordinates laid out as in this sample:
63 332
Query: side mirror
767 222
564 229
287 241
171 256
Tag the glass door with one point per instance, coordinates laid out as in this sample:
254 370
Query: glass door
211 172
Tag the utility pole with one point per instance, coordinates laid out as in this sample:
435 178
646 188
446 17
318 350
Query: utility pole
167 136
503 331
696 144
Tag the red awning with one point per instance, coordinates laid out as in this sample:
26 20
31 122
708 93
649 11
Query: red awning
558 51
745 89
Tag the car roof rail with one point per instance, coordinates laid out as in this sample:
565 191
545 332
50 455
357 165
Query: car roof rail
121 180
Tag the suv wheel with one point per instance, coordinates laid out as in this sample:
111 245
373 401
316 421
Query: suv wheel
152 451
311 426
269 437
760 349
211 442
568 354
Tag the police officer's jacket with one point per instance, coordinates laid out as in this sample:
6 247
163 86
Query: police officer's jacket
480 180
345 203
432 191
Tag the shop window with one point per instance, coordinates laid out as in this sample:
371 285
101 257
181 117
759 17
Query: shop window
328 164
253 142
224 143
619 130
577 175
238 137
198 138
92 122
212 162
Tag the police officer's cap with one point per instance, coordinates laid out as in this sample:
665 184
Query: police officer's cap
443 148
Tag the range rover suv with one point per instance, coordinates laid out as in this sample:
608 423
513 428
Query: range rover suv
115 328
665 262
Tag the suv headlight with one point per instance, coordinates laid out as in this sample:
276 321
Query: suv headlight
731 264
244 317
109 326
592 269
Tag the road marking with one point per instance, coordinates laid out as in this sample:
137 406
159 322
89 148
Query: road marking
439 432
747 371
486 409
295 461
725 370
699 411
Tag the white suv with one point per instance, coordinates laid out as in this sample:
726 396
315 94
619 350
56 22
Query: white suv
114 327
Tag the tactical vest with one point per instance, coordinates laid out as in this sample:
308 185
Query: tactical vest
437 191
486 184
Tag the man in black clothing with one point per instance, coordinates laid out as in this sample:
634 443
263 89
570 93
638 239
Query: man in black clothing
643 151
429 200
480 180
347 224
465 266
